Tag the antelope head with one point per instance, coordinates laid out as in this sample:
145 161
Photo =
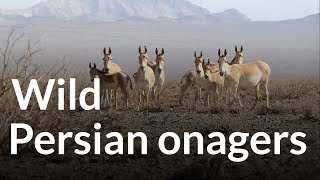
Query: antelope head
206 69
222 62
160 60
143 57
238 59
107 59
198 62
93 71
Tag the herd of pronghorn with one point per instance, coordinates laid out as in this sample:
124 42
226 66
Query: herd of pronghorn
219 79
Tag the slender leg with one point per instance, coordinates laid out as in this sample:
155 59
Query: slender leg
102 98
257 96
147 97
158 94
140 96
200 96
208 98
115 98
183 89
267 94
235 95
238 96
217 95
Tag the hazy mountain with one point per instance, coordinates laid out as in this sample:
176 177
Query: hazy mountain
312 18
112 9
233 15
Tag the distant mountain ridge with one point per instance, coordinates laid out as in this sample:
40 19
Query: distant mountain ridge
111 10
95 11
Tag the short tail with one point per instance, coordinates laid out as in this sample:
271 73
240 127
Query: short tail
183 78
129 79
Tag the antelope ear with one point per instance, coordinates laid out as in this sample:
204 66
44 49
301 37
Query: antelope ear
201 54
104 50
241 48
140 49
156 51
162 51
90 65
236 49
110 50
225 52
195 54
145 49
94 65
219 53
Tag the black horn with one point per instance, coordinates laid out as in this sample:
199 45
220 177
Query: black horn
241 49
140 49
110 50
162 51
225 52
236 49
157 51
219 53
145 49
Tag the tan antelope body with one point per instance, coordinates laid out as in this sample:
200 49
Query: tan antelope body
194 78
109 68
244 76
190 80
215 82
158 69
116 81
144 78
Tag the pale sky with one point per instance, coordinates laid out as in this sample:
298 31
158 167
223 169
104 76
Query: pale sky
255 9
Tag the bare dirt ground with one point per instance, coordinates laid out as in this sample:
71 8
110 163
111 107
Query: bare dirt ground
294 108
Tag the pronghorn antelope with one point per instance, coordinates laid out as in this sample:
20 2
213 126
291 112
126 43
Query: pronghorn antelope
194 78
238 59
144 78
158 69
243 76
215 81
119 80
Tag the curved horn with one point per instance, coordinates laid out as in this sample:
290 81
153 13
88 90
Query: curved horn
236 49
201 54
104 50
195 53
241 48
162 51
225 52
145 49
140 49
110 50
94 65
90 65
156 51
219 53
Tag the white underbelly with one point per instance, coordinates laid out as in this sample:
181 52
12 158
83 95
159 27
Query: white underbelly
249 82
